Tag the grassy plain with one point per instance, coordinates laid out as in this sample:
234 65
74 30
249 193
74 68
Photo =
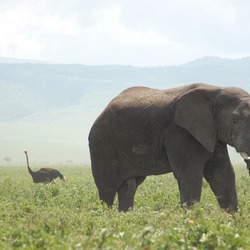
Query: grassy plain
69 215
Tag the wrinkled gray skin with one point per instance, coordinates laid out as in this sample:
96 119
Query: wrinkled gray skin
182 130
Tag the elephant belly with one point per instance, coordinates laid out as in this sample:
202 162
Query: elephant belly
142 161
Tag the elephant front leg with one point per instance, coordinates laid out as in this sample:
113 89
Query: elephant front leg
186 157
190 189
222 183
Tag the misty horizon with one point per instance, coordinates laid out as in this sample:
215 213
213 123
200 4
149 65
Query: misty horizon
48 109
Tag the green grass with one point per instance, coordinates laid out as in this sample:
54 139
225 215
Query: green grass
70 216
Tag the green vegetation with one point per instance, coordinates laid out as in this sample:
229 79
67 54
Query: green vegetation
69 215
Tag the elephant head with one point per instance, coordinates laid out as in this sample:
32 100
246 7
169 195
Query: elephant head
225 115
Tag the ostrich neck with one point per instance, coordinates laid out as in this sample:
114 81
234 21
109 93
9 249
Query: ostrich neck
30 170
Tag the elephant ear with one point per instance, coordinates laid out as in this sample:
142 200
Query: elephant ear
195 113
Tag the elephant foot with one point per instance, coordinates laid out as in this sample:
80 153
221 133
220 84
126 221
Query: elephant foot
107 198
189 204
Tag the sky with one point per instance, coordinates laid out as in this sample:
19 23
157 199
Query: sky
127 32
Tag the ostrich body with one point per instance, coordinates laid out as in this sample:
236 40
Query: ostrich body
44 175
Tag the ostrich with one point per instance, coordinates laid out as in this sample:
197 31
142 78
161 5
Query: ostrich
44 175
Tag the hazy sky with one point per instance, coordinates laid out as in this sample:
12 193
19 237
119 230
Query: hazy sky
134 32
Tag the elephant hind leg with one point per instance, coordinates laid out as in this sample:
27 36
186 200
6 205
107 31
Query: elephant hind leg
126 192
107 197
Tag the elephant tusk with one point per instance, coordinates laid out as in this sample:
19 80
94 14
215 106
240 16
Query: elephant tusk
245 155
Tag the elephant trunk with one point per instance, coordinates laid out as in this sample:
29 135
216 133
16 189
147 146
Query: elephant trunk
247 160
248 165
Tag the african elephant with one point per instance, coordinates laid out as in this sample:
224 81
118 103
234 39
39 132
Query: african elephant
184 130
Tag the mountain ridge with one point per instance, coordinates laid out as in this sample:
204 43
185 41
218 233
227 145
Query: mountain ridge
49 108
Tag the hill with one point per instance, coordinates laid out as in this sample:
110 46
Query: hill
48 109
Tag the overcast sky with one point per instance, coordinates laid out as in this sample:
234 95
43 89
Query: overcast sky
127 32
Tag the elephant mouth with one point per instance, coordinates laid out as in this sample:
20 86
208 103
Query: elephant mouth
245 155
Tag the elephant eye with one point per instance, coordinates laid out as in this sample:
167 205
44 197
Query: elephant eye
236 120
